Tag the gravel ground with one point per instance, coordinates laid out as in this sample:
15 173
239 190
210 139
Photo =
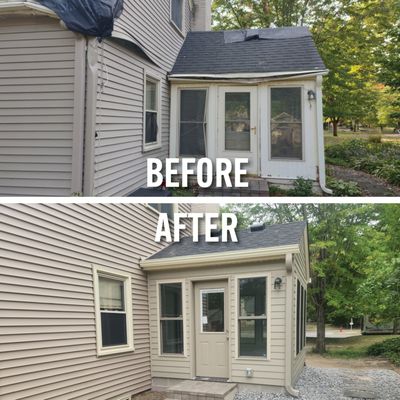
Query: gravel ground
331 383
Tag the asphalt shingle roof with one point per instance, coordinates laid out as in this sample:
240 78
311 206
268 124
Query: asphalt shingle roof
248 51
271 236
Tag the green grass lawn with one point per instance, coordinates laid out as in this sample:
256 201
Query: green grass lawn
345 136
353 347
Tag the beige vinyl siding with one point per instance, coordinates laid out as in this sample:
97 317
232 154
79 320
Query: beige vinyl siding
120 162
47 316
299 273
38 93
266 372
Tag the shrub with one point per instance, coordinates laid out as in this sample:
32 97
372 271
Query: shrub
389 348
344 189
373 157
302 188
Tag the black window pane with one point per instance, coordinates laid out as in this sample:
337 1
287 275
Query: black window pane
213 315
113 329
171 300
192 122
253 297
253 338
172 336
298 318
151 127
176 12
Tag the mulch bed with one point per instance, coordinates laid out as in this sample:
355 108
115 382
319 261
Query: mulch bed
370 185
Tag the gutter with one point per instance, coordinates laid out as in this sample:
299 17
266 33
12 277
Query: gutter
218 259
320 137
289 327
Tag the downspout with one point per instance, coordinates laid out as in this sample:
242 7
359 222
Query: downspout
90 123
320 137
289 325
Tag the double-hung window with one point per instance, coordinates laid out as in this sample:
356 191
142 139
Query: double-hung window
171 318
177 13
287 123
252 317
113 299
152 137
301 316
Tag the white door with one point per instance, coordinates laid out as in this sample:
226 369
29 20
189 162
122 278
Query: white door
212 335
237 125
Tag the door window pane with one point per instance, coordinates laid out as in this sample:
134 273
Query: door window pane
286 123
172 336
212 311
171 300
193 122
111 294
237 121
253 337
252 297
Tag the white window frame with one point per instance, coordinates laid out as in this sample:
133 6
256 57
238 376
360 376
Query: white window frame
99 271
179 30
158 298
303 114
157 80
268 278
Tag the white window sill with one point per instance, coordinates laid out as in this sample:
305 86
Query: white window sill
151 147
115 350
178 30
172 356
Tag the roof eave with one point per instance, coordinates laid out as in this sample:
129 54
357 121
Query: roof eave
22 7
257 75
219 258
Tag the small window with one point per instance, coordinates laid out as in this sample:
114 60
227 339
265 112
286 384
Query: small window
192 127
152 114
177 13
301 317
164 209
253 317
113 312
286 123
171 318
212 311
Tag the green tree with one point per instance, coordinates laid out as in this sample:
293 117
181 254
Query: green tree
388 106
338 248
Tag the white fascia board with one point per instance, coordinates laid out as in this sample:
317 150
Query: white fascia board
23 7
219 259
258 75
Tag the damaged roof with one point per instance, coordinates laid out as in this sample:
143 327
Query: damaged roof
271 236
273 50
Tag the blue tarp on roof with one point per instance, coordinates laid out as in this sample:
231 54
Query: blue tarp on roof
89 17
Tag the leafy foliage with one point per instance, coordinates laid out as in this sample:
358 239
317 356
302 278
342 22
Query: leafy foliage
302 188
344 189
379 159
389 348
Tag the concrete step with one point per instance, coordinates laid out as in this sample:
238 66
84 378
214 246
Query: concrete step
200 390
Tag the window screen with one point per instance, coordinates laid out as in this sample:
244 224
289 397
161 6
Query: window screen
237 121
177 13
151 112
253 317
193 123
171 318
301 317
113 313
286 123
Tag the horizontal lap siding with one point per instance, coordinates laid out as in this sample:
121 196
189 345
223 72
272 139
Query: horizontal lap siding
37 68
269 372
120 162
47 319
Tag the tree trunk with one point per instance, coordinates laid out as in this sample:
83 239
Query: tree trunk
335 127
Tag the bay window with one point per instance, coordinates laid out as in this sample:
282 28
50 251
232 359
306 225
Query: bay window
286 123
252 317
171 318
